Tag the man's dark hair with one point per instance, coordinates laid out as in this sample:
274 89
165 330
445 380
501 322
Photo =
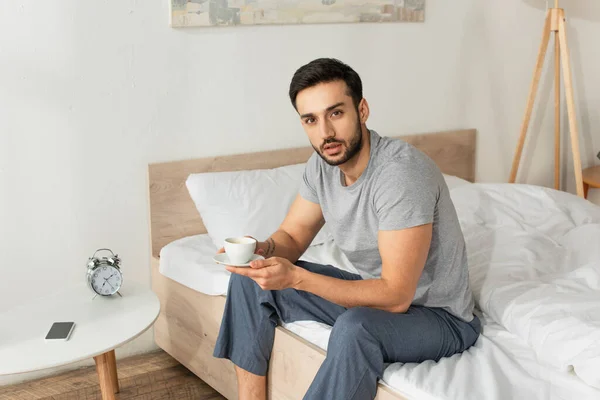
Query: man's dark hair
324 70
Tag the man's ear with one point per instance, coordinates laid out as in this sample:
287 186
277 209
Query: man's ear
363 110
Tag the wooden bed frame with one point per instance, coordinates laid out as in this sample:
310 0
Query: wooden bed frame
189 321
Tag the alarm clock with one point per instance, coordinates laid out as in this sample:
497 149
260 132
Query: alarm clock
104 275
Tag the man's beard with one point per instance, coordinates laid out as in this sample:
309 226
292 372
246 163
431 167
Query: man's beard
352 148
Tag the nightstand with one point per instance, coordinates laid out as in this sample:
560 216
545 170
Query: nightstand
591 178
101 325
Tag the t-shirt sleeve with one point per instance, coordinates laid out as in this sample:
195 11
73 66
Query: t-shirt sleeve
405 196
308 190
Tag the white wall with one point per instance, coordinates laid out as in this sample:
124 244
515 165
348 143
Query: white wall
91 92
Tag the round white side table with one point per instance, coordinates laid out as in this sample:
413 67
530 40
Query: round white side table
101 325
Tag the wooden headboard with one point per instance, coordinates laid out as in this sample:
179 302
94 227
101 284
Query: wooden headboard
173 214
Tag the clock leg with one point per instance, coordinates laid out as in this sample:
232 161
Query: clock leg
106 377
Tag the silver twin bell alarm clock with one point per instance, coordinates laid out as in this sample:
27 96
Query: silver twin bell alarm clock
104 275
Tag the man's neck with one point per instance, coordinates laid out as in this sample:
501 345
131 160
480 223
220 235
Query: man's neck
353 168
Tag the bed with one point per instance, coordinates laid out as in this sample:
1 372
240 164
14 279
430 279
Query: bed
503 364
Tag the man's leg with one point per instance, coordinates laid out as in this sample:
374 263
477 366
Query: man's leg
251 315
250 386
363 339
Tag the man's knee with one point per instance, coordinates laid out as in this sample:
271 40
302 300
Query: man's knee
351 326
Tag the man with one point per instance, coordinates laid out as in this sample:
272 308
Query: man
389 210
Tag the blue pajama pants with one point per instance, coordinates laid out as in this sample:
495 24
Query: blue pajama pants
362 339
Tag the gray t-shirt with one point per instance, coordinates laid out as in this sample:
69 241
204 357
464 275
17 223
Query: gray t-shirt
400 188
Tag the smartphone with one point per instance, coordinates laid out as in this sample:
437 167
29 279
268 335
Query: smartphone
60 331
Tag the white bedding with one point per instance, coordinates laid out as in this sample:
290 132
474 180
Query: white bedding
534 257
501 365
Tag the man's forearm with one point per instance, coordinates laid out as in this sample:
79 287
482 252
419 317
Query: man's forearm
375 293
281 244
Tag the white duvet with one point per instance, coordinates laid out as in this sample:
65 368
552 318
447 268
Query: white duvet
534 258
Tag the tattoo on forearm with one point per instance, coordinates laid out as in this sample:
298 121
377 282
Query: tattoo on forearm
271 248
267 252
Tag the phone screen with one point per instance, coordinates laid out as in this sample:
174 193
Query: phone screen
60 330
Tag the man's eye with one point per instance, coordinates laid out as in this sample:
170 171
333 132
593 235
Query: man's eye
336 113
309 120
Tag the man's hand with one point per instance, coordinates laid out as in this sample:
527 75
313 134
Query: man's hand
274 273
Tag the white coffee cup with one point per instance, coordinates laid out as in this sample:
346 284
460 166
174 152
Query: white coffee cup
239 249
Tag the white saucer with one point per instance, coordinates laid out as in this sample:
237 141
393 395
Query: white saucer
223 259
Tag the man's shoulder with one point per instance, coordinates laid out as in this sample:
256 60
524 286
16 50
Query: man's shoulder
396 155
401 166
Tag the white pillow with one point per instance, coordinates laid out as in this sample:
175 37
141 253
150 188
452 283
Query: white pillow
454 181
249 202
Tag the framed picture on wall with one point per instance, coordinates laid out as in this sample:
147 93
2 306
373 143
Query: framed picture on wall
280 12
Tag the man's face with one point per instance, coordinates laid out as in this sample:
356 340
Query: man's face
331 121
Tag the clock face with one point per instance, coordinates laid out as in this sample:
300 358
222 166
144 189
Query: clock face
106 280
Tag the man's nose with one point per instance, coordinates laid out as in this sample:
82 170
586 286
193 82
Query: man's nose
326 130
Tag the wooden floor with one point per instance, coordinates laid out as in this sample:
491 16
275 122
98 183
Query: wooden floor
153 376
